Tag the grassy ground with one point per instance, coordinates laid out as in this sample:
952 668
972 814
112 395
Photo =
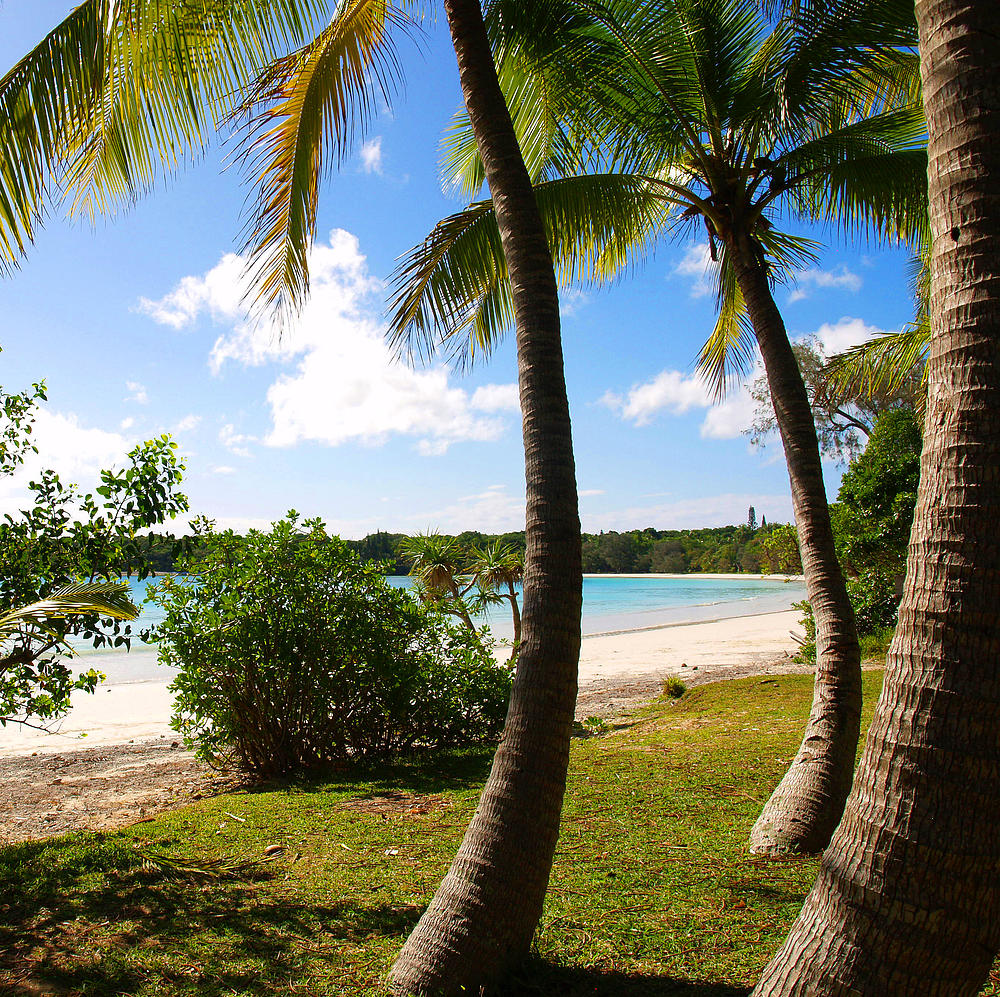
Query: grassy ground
652 893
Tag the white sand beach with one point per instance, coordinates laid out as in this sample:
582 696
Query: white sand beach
641 659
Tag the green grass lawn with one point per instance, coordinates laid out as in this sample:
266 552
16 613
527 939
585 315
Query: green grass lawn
652 893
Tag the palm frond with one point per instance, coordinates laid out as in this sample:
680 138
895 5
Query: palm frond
728 353
867 176
455 282
105 598
121 93
883 365
300 119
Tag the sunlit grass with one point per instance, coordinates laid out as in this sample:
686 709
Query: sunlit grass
652 893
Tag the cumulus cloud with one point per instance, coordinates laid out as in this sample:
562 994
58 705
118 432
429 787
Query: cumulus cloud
835 337
677 393
223 469
670 390
75 451
808 280
371 156
186 424
220 292
346 385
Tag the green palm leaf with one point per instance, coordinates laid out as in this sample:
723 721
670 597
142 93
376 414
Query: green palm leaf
456 280
301 118
106 598
121 93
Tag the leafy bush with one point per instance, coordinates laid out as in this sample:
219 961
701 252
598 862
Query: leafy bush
293 654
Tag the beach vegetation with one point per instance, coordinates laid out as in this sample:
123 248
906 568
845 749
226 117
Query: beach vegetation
872 518
467 580
653 891
294 654
674 688
62 557
845 409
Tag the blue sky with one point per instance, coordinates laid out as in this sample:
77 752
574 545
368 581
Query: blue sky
135 325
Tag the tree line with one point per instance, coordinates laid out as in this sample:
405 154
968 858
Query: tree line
766 549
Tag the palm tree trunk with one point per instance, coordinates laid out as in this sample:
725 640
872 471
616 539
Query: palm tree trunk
908 897
803 811
482 918
515 613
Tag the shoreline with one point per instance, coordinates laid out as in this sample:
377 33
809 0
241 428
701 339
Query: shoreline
128 712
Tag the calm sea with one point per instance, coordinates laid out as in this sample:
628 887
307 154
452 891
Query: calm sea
610 603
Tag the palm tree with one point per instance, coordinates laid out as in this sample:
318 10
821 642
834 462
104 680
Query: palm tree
123 89
497 570
908 896
684 111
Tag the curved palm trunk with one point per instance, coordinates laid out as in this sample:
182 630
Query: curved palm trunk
908 897
483 917
803 811
515 612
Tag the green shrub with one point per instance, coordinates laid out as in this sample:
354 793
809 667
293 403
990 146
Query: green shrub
674 688
294 654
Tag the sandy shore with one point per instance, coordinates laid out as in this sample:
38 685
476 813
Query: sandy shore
699 652
129 765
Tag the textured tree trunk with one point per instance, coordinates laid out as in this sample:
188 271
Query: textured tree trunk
908 897
803 811
482 919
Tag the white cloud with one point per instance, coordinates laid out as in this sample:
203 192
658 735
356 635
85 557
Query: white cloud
709 510
371 156
235 442
808 280
670 389
76 452
496 398
346 386
220 292
223 469
835 337
590 492
571 300
127 423
697 263
137 393
678 394
186 424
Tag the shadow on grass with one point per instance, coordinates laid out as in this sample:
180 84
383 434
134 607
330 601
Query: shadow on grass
421 772
86 914
540 977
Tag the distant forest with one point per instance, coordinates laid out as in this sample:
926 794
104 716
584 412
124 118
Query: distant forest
748 548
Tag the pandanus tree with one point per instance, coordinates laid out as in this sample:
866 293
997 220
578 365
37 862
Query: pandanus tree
497 569
908 896
437 564
118 94
640 118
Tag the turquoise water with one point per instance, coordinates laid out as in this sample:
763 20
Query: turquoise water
610 603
